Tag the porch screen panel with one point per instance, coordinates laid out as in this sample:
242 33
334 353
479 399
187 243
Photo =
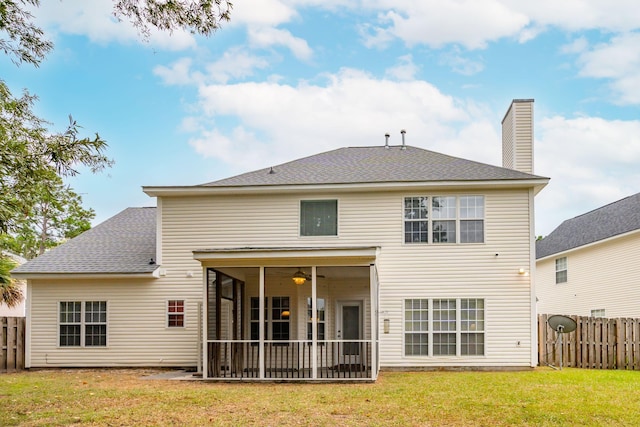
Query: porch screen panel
211 305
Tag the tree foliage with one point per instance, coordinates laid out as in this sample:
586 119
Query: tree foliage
10 294
25 42
30 155
57 215
196 16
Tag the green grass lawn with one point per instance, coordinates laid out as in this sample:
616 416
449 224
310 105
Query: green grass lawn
122 398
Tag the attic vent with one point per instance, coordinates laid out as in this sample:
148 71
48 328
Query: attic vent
403 132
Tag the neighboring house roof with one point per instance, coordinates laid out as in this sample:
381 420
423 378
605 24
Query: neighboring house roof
373 165
608 221
124 244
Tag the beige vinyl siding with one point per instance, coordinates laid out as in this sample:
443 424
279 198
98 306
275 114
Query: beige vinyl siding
604 275
517 137
137 332
405 270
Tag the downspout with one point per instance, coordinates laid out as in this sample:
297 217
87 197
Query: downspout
532 281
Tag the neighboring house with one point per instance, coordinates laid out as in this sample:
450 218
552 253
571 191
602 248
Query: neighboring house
327 267
19 310
588 266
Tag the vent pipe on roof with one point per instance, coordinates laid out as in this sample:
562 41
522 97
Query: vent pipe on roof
386 140
403 132
271 171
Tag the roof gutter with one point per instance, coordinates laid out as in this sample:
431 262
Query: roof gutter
60 276
184 191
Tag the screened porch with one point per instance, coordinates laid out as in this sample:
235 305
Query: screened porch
290 323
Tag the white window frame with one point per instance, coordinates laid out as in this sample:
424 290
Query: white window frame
83 323
476 326
320 321
170 313
315 236
268 318
432 218
565 270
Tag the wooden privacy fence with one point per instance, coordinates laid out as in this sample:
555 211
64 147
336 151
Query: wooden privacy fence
12 340
597 343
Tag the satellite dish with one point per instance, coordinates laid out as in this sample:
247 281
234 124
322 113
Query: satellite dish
562 324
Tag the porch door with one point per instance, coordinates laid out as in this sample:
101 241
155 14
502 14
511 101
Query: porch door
349 329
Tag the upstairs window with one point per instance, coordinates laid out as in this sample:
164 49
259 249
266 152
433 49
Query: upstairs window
472 219
416 219
444 219
561 270
318 217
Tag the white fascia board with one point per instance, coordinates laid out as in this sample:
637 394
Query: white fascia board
54 276
538 184
288 256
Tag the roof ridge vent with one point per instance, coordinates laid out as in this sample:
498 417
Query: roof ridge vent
403 132
386 140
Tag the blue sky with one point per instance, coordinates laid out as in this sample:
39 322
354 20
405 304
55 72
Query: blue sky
290 78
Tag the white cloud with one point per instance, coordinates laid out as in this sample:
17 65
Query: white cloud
178 73
281 122
475 23
618 61
575 15
579 45
461 64
94 19
586 159
267 37
470 23
262 13
404 70
235 63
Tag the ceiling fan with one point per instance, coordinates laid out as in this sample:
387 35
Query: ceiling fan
299 277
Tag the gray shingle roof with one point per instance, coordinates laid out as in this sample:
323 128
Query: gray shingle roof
125 243
611 220
373 165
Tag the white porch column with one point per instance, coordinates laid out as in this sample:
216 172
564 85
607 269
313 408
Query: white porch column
314 324
261 327
205 326
375 307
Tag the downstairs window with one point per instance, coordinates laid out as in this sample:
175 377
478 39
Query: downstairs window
444 327
82 324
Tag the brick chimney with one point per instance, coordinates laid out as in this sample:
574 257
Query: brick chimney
517 136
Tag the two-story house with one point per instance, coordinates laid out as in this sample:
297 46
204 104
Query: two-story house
588 265
331 266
